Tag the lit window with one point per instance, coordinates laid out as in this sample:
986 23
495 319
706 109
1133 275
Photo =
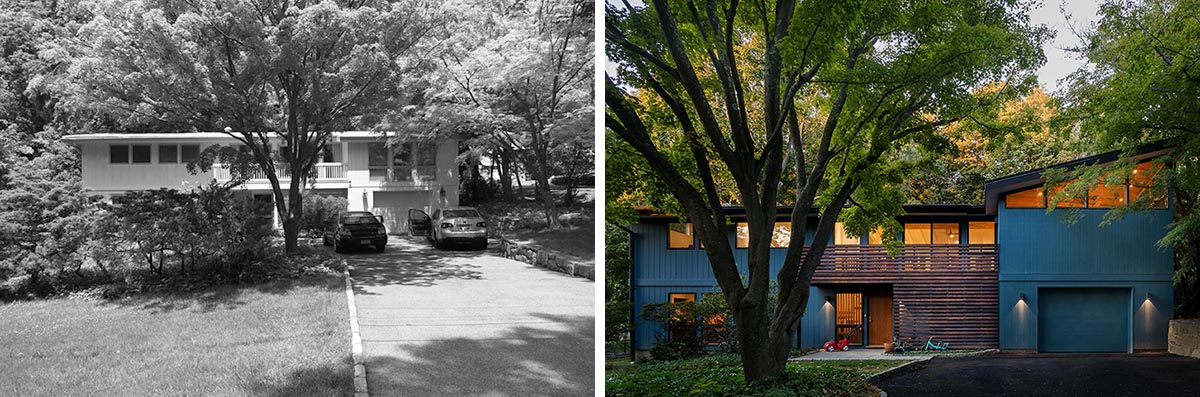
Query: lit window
1143 180
840 237
1028 198
743 235
782 235
946 233
982 233
676 297
876 236
1106 196
1066 202
680 235
918 233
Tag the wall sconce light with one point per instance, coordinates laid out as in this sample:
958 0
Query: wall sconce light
442 192
1147 295
829 299
364 195
1021 296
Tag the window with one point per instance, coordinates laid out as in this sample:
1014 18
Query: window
1142 180
931 233
118 154
680 235
330 153
781 235
876 236
946 233
406 161
677 297
981 232
743 235
840 237
1028 198
1106 196
1071 202
189 153
168 154
918 233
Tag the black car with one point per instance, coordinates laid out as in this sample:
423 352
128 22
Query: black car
355 229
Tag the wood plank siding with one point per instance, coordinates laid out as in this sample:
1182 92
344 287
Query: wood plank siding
949 292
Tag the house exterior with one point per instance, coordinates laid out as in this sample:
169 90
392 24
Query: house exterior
1003 275
356 165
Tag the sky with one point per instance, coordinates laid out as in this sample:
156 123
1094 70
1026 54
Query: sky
1063 16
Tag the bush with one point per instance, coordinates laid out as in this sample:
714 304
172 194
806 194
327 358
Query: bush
317 212
721 375
691 326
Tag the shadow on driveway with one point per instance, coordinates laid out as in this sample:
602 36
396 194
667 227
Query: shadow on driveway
1051 374
524 361
410 261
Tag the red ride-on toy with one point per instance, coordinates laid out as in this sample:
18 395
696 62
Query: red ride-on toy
843 345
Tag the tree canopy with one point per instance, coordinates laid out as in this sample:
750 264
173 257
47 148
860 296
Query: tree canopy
804 103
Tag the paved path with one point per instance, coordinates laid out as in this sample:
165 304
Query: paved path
857 354
1051 375
471 323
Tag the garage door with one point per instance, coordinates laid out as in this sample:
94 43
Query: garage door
1083 319
393 206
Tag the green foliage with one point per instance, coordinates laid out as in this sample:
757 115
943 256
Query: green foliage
720 375
1143 89
617 263
318 210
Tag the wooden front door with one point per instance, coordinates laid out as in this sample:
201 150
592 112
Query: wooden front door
879 318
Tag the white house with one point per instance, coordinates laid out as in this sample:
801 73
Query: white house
357 165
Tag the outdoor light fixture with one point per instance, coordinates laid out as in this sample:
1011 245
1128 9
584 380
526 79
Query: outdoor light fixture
442 192
1021 296
829 299
1147 295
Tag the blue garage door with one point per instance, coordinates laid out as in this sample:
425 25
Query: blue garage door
1083 319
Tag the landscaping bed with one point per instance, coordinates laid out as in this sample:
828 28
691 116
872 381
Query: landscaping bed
721 375
285 337
524 223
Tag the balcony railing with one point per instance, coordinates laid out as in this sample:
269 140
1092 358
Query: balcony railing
958 257
324 171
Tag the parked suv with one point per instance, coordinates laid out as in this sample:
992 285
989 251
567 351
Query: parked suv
355 229
447 226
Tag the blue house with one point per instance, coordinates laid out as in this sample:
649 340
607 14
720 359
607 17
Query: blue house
1003 275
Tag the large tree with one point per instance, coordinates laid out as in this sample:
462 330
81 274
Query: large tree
1141 87
725 98
292 70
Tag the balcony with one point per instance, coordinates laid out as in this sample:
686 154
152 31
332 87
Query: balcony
324 172
873 264
874 258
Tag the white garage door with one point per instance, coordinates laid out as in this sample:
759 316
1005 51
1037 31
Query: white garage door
393 206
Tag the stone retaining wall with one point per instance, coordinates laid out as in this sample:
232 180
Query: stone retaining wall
541 258
1183 338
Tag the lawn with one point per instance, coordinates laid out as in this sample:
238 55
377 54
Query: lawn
285 337
721 375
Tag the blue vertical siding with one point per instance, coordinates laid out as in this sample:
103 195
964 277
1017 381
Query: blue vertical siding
1039 250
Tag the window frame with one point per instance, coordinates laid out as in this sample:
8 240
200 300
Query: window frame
971 232
174 159
183 158
128 156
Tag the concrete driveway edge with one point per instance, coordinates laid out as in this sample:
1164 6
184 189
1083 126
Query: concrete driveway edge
901 369
360 369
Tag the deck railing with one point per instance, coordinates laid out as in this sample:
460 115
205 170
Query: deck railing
958 257
324 171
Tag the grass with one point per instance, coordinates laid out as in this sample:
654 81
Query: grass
721 375
285 337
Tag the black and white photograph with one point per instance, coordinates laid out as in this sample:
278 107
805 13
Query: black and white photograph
298 198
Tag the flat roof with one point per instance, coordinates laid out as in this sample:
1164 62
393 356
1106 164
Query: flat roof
784 212
341 135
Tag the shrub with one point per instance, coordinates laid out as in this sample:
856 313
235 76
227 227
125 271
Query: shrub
318 210
721 375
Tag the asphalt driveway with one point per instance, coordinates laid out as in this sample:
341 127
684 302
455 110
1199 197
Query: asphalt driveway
471 323
1051 375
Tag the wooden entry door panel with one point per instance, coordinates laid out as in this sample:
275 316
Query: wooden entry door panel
879 318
